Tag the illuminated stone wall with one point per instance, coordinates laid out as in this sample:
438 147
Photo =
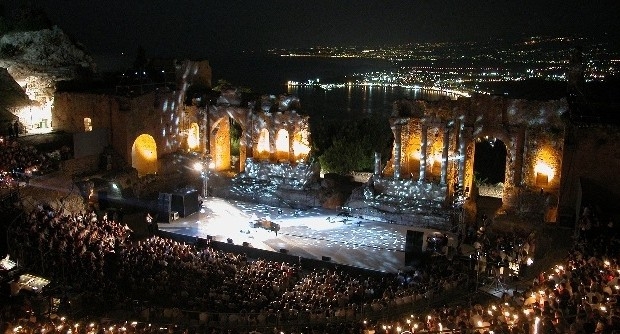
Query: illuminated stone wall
411 134
40 88
437 146
410 190
70 109
159 113
271 130
542 164
175 125
285 175
220 144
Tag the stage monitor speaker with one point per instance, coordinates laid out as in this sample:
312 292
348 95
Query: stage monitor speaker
413 246
185 202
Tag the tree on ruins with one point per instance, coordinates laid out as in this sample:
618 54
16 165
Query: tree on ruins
342 157
353 144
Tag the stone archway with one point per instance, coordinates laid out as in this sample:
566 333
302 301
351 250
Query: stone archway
282 145
301 144
220 144
262 150
193 137
490 166
503 194
144 155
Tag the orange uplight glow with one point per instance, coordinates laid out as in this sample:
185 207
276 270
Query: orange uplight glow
544 169
415 154
262 146
193 136
144 155
301 145
282 144
546 163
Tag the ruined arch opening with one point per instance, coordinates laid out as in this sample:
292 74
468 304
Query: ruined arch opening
282 145
262 145
301 145
490 166
144 155
220 144
193 137
236 132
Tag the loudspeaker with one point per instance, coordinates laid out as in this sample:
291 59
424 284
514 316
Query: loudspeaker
229 240
246 244
185 202
413 246
326 258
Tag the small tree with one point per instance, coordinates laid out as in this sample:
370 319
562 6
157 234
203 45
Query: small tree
349 146
342 157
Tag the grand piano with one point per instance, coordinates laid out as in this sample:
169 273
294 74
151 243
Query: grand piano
29 282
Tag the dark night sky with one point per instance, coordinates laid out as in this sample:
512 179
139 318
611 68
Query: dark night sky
204 28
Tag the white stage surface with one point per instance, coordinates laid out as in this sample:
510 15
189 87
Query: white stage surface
310 233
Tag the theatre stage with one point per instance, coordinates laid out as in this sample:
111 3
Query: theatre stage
312 233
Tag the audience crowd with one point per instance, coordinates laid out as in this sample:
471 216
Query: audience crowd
579 295
95 256
18 162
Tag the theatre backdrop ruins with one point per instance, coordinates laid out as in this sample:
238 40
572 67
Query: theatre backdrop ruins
432 162
145 123
548 156
553 163
431 166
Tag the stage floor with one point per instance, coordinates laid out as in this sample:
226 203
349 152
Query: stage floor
312 233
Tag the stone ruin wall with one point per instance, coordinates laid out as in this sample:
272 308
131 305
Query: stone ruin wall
220 144
532 131
70 109
254 123
284 175
410 150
